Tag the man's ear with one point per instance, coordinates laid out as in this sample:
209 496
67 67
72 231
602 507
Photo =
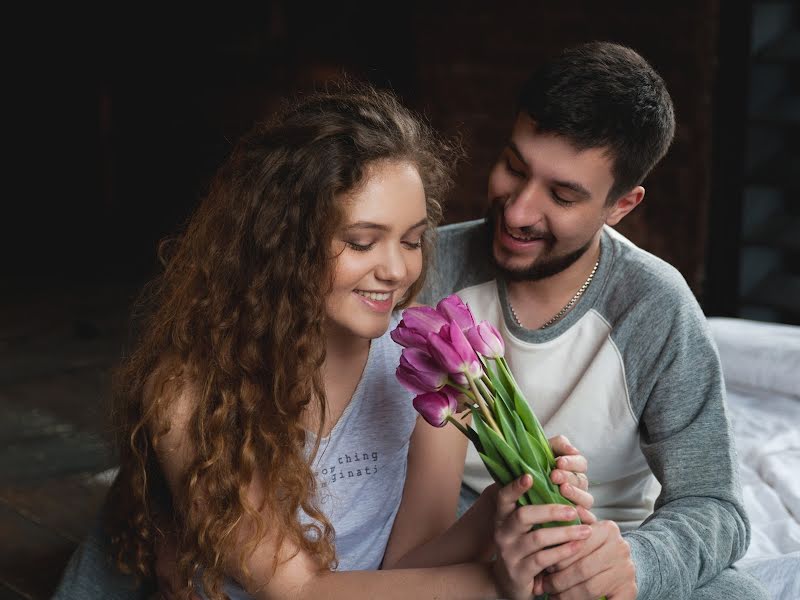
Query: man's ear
623 205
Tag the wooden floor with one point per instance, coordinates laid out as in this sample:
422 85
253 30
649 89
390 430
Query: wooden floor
56 352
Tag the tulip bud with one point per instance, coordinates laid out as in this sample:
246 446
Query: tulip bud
435 407
454 309
408 338
453 352
426 372
486 340
423 320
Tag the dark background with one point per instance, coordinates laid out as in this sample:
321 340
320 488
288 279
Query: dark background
116 117
126 116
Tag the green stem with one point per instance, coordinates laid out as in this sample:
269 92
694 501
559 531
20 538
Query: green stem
485 389
487 414
488 383
460 427
461 389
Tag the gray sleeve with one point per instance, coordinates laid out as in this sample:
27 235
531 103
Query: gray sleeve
460 260
699 526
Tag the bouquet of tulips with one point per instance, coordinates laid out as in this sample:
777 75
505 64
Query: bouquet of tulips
454 364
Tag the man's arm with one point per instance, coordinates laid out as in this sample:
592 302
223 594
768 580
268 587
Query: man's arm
699 526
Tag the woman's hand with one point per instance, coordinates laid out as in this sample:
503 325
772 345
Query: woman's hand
524 555
570 472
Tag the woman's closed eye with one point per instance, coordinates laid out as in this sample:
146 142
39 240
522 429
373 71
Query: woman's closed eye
360 247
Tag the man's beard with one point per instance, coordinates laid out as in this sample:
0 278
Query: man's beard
544 267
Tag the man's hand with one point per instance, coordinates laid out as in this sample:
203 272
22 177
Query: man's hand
603 566
523 554
570 472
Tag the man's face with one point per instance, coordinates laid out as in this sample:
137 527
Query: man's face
547 202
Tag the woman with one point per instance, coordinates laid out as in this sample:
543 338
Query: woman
261 424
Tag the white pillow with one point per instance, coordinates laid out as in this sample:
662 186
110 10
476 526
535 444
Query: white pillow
758 356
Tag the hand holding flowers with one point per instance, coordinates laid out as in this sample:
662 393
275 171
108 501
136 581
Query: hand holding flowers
454 364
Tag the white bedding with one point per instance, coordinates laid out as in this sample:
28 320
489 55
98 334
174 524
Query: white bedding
761 363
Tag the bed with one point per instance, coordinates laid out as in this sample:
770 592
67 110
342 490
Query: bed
761 365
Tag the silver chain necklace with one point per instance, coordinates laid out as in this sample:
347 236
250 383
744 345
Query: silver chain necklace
564 310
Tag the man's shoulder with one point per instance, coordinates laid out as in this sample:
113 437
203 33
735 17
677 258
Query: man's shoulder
462 259
645 293
464 233
642 275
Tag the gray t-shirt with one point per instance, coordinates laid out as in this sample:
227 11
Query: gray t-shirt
361 465
635 361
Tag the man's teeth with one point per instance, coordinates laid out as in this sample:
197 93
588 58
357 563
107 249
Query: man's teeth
379 296
525 238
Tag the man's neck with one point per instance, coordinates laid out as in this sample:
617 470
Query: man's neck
536 302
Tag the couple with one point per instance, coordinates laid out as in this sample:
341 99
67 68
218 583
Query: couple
267 444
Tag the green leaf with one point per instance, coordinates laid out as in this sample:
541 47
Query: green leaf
523 409
517 466
503 477
487 445
530 452
497 470
499 387
504 420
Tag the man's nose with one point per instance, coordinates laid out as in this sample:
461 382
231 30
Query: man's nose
525 208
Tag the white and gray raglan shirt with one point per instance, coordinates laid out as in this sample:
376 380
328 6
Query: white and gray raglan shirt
632 377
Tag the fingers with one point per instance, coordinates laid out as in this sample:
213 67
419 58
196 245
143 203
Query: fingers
628 591
586 516
576 495
561 446
539 561
612 582
574 464
561 477
508 495
605 544
546 537
508 532
538 585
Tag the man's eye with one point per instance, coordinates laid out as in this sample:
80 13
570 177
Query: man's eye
560 200
512 170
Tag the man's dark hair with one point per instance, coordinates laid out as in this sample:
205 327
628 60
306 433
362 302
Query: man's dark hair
604 95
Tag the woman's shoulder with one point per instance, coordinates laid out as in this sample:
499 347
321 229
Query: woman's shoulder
169 395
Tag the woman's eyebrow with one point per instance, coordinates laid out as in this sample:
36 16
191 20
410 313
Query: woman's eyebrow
381 227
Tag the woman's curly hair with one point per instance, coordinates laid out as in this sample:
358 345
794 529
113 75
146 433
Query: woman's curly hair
238 316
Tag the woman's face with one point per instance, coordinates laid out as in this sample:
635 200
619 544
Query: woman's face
378 250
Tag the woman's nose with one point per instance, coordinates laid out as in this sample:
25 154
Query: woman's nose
392 265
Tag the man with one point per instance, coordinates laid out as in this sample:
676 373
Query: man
606 340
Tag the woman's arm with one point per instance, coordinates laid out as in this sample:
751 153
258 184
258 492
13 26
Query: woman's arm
425 531
298 575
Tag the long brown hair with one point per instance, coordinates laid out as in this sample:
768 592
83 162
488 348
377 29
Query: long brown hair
237 315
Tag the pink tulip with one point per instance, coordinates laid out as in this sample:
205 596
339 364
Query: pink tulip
454 309
408 338
462 400
423 320
486 340
418 372
453 352
435 407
